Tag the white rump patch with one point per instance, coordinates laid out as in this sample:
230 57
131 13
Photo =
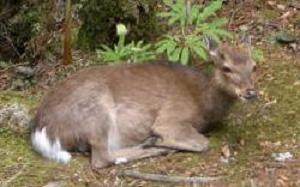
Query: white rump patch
48 149
121 160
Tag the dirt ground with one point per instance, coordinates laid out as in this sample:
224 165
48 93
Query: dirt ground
242 148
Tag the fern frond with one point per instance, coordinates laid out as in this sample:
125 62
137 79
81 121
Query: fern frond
209 10
184 56
174 56
219 22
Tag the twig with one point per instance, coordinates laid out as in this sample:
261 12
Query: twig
165 178
13 66
12 178
232 17
236 10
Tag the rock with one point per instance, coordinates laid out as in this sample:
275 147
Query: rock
25 71
55 184
293 46
244 28
281 157
285 37
14 114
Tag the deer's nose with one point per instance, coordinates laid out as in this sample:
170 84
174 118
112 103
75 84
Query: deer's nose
251 94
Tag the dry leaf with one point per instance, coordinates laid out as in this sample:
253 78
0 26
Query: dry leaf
297 83
272 3
285 15
283 177
226 151
281 7
242 142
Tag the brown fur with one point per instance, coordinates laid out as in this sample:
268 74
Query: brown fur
170 102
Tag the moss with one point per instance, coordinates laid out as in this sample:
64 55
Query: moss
268 14
11 97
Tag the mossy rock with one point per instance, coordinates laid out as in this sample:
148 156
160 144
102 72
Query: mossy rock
16 111
100 18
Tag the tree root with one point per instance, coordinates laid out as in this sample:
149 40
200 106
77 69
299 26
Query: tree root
165 178
8 181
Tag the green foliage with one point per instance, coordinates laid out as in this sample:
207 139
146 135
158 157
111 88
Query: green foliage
190 25
3 64
257 55
134 52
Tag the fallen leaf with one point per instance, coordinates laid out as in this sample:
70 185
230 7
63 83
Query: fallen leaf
283 177
226 151
297 83
281 7
272 3
285 15
242 142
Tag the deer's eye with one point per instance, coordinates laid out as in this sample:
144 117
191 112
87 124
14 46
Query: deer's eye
221 56
254 69
226 69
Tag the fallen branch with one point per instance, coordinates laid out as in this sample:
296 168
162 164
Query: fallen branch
165 178
8 181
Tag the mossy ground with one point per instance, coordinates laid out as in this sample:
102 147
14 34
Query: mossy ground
253 132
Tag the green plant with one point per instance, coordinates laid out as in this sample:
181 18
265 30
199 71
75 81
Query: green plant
190 23
132 52
257 55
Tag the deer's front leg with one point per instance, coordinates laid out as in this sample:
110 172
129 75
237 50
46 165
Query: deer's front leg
180 137
137 152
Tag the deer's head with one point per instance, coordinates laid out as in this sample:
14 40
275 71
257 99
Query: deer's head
235 69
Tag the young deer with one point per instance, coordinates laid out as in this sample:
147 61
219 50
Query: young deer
126 112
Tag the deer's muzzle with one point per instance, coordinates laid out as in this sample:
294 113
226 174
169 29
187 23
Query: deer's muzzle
250 94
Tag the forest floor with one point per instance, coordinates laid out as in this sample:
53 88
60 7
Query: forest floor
242 148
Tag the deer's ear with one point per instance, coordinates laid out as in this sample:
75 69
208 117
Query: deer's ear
246 40
212 46
214 51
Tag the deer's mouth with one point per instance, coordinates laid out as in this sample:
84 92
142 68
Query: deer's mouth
248 95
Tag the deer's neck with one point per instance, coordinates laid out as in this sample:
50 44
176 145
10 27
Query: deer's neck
217 101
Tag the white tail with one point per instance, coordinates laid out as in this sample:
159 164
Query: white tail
44 146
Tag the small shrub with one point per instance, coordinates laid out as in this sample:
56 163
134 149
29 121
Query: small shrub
257 55
191 24
134 52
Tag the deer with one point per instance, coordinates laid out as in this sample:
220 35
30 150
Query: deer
122 113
